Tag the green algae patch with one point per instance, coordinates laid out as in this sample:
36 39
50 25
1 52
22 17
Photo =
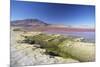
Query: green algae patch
66 47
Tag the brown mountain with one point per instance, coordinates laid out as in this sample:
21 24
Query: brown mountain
38 25
28 23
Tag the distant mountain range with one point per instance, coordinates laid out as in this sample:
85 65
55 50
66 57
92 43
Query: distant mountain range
35 24
28 23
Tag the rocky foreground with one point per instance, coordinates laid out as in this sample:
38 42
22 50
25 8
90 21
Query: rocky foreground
23 54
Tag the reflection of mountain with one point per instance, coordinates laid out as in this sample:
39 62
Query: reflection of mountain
38 25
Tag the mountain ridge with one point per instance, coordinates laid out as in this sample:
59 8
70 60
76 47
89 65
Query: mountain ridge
28 22
38 25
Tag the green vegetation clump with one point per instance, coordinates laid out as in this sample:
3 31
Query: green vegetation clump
65 47
50 42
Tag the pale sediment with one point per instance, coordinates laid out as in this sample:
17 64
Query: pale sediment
26 54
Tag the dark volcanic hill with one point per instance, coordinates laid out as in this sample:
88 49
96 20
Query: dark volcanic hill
28 23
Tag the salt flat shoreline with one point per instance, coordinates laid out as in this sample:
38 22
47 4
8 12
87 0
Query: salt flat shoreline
23 54
26 54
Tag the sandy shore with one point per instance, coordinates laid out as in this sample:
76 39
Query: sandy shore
27 54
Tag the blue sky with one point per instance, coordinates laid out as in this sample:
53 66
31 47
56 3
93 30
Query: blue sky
54 13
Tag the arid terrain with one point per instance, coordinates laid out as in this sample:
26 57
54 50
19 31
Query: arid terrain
29 53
